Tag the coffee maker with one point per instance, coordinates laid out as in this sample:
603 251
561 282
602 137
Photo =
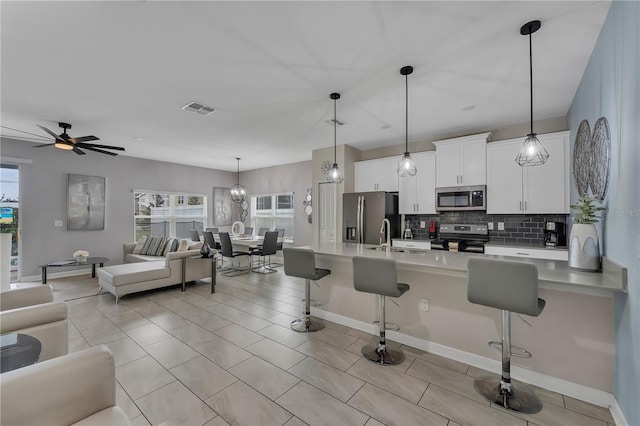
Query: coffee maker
555 234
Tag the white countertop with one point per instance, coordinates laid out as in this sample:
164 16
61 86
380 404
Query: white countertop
526 246
551 272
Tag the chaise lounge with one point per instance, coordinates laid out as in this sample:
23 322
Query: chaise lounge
142 272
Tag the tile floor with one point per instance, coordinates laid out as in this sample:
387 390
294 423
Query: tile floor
196 358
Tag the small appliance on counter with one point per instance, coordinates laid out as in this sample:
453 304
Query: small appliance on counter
408 235
432 230
555 234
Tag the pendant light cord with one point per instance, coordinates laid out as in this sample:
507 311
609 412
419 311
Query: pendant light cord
531 80
335 133
406 113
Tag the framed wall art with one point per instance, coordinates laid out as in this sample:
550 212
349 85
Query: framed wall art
221 206
85 202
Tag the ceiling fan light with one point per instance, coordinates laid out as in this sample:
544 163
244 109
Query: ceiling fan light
63 145
406 166
335 175
532 152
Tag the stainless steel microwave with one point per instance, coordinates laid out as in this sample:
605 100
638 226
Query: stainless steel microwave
461 198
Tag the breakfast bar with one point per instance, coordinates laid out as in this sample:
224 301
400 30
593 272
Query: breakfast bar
572 341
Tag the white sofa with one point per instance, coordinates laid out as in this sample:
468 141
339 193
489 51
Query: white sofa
32 311
142 272
75 389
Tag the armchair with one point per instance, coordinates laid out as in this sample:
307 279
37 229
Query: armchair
32 311
79 388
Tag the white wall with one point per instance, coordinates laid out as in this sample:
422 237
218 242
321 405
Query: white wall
43 199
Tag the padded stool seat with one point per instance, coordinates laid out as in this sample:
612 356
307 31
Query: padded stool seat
511 287
301 263
379 276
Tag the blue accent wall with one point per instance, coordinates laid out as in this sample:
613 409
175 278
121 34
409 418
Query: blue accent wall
610 87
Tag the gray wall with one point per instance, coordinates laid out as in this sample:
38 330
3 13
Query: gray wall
609 88
296 178
43 199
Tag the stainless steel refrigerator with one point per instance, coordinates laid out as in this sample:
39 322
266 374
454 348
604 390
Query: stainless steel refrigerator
362 215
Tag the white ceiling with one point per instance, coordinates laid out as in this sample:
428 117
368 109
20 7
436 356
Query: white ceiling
122 71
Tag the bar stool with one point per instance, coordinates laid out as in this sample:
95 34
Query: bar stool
301 263
379 276
511 287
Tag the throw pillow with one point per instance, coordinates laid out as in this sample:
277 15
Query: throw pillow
161 247
183 246
153 247
147 243
168 245
139 245
175 244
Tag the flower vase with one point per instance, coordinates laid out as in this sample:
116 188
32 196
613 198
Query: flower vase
584 250
205 250
81 259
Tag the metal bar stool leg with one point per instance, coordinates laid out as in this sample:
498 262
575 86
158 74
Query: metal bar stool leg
380 353
305 325
512 396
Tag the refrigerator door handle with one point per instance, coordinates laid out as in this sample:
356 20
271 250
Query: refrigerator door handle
361 218
358 221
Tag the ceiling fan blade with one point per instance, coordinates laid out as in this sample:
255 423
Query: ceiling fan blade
95 145
46 144
101 151
26 133
78 151
84 139
51 133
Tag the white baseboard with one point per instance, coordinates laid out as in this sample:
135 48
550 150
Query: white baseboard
64 274
565 387
616 412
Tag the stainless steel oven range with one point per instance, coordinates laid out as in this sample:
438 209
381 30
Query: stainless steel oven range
461 237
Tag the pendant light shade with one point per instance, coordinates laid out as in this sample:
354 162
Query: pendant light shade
406 166
238 192
532 152
335 175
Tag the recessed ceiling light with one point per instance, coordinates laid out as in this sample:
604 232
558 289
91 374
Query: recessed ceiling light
136 138
198 108
469 108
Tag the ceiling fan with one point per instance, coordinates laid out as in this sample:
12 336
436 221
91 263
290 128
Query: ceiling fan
64 141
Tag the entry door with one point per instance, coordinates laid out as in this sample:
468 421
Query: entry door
327 200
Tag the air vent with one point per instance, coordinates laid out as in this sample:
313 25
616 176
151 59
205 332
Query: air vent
198 108
338 122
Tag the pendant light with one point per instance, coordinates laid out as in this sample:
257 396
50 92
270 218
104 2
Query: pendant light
532 152
237 191
406 166
335 175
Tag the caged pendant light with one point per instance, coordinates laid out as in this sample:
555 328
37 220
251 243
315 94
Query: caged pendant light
406 166
237 191
335 175
532 152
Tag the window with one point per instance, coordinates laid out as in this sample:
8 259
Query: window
273 212
167 214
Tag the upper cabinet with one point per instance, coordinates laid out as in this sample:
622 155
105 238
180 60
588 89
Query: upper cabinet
533 190
462 161
417 193
377 175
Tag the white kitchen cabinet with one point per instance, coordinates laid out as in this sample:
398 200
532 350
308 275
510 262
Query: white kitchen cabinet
417 193
462 161
532 190
377 175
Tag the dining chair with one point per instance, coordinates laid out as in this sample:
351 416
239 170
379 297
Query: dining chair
226 250
268 248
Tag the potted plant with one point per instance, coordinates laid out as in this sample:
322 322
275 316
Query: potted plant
584 250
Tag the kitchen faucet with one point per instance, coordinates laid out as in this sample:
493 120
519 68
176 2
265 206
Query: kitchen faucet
387 235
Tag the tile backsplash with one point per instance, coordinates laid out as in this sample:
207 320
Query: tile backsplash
518 228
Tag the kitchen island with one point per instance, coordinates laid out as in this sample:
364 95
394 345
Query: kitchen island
571 341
